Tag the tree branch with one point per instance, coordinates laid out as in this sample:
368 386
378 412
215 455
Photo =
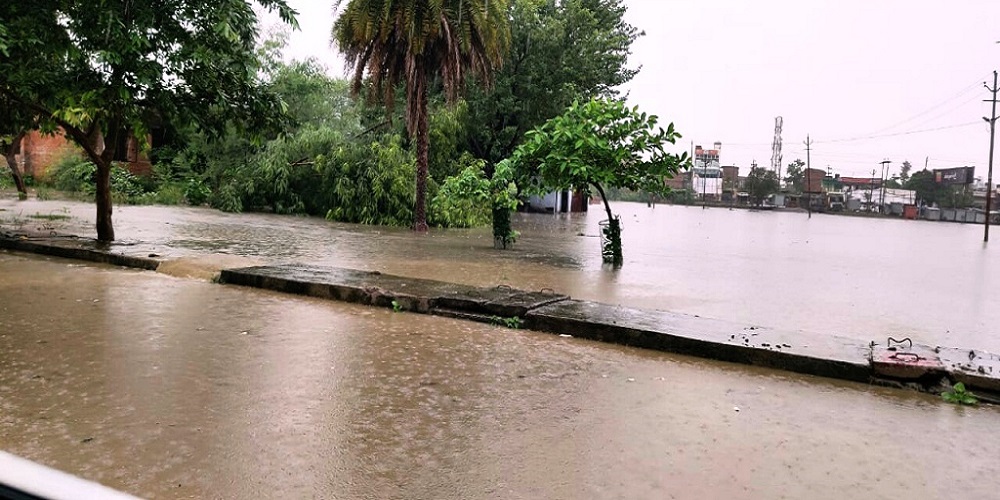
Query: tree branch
79 136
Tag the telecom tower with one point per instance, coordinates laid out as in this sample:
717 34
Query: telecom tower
776 148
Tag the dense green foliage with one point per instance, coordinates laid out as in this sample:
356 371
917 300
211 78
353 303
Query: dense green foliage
560 52
926 187
599 143
414 42
760 184
931 192
75 175
100 69
463 200
329 154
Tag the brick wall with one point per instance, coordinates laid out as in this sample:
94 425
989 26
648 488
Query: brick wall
39 152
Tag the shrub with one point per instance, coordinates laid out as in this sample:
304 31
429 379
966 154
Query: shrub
196 192
463 200
73 174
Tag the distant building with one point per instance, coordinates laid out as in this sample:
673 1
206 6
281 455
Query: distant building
812 181
706 175
855 183
680 181
558 202
731 177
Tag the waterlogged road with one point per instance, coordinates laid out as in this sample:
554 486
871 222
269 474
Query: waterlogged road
174 388
861 278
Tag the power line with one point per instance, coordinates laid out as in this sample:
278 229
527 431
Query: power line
960 93
948 111
909 132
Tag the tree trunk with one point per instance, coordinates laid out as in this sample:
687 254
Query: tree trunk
607 206
423 140
612 250
12 151
105 231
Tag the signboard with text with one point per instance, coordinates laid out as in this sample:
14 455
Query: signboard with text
955 176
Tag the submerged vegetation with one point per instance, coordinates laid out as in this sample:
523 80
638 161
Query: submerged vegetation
300 142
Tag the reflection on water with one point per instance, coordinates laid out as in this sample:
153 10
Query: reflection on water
854 277
174 388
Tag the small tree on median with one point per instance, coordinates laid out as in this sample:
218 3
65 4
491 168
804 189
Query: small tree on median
597 144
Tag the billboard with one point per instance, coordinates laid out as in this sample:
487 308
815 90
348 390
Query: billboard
955 176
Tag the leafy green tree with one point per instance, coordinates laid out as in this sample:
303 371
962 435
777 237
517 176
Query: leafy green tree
100 69
761 183
795 175
471 199
313 98
926 187
448 131
595 144
904 171
560 52
463 200
415 42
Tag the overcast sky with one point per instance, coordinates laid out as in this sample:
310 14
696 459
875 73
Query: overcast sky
868 80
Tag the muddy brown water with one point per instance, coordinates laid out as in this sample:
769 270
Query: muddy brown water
859 278
179 388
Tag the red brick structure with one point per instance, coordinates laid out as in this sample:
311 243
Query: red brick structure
40 151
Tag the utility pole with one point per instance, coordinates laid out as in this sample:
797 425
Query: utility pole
989 176
809 207
704 184
885 174
871 193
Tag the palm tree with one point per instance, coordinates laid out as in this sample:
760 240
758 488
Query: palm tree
415 42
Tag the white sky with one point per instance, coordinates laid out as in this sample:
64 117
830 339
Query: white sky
722 70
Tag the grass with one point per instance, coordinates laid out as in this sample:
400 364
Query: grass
50 216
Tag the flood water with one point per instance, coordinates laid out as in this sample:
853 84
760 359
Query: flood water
854 277
178 388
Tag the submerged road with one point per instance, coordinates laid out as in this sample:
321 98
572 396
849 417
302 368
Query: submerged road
172 388
846 276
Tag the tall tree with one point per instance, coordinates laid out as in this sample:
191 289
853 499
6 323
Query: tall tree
597 144
904 171
417 42
97 70
560 52
927 187
795 175
761 183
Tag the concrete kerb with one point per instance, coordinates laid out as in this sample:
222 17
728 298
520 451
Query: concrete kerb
72 248
909 366
800 352
705 338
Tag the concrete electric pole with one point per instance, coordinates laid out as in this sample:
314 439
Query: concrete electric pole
989 177
809 207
